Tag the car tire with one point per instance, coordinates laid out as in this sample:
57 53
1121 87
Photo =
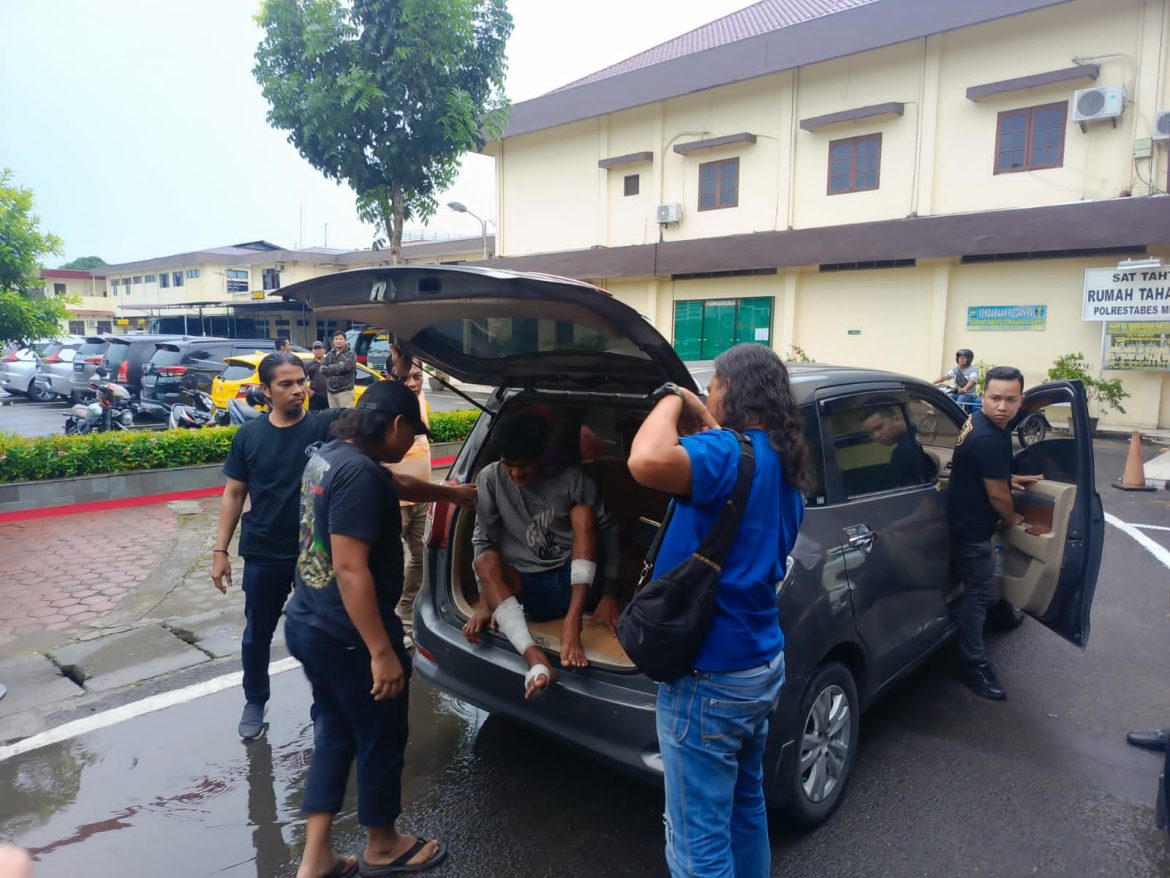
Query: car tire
829 721
35 392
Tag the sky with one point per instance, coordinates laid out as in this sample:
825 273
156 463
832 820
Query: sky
141 130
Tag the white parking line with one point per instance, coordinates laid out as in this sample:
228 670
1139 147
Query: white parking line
135 709
1150 526
1159 552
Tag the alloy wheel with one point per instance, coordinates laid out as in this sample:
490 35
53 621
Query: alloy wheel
824 746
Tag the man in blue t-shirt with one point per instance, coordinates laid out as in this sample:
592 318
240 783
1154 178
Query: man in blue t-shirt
979 498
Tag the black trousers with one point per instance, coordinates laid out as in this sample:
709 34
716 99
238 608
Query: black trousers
974 566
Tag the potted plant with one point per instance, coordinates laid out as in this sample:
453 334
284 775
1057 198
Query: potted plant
1107 394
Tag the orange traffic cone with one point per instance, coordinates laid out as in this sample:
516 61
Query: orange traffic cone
1134 477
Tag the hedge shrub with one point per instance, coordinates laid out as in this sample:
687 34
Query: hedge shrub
25 458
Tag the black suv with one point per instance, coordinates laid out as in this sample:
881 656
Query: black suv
868 591
177 367
127 354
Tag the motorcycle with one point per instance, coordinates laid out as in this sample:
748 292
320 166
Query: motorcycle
252 406
203 412
110 410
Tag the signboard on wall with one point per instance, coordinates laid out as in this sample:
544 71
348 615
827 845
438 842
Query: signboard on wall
1126 294
1007 317
1137 347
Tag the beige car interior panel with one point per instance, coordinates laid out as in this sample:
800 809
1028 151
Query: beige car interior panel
1032 562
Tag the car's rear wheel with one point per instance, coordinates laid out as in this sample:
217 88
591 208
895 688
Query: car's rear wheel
41 392
826 744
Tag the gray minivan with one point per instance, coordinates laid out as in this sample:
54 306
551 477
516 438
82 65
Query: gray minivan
868 594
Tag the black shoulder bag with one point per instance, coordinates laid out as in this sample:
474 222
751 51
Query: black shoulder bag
666 623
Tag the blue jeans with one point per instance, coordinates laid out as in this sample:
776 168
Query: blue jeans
267 584
347 724
545 595
712 728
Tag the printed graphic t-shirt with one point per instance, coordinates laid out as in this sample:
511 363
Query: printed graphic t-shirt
345 491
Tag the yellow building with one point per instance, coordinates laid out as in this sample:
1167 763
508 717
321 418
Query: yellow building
875 182
235 290
91 310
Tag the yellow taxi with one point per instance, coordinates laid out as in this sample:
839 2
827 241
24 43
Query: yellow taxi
239 374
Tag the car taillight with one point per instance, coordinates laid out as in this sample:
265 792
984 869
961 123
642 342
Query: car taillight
439 518
171 370
52 359
123 376
361 358
243 391
11 358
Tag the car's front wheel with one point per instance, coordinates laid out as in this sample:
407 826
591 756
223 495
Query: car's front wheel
826 742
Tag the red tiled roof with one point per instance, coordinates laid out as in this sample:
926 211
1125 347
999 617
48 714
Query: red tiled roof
70 273
759 18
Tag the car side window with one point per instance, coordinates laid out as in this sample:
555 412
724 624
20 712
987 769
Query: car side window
362 378
934 429
815 495
875 449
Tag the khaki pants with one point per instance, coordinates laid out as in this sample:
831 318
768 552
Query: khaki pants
342 400
414 523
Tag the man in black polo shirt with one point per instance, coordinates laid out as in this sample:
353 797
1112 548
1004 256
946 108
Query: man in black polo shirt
979 497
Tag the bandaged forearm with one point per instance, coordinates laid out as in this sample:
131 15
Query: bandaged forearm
509 618
582 572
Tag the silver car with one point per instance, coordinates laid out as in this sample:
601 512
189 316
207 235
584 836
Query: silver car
85 363
18 370
54 371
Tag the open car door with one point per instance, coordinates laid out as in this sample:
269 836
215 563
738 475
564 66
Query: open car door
1052 560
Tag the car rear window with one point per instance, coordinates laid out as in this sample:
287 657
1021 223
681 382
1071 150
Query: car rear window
93 346
166 355
51 349
497 338
117 352
234 372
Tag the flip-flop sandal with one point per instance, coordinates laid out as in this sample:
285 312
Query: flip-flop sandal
343 867
399 866
534 673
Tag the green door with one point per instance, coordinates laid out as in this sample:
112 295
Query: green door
754 321
718 326
703 330
688 330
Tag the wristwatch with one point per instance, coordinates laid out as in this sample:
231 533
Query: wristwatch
666 390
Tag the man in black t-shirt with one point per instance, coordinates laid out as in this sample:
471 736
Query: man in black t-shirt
265 463
979 497
341 625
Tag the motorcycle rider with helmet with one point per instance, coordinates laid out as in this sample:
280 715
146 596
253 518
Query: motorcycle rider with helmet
964 375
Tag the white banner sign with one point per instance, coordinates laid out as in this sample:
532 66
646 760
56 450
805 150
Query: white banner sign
1141 294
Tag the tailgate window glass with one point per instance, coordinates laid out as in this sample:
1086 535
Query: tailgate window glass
92 348
237 373
492 338
118 351
166 356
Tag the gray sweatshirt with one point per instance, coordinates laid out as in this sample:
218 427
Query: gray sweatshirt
531 528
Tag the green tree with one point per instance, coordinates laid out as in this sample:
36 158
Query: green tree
385 95
24 311
85 263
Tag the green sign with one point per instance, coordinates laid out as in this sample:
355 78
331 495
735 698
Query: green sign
1007 318
1137 347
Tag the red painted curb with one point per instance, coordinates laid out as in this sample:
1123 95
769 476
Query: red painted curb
102 505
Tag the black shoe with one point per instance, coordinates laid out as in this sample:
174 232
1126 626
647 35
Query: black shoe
251 722
1004 617
981 680
1155 740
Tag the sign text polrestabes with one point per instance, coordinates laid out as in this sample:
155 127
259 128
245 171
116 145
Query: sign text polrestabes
1141 294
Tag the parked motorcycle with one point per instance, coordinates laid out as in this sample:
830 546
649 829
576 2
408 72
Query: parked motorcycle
110 410
252 406
201 413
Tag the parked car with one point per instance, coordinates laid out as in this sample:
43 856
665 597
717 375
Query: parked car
179 366
370 345
18 368
85 362
868 593
55 369
240 374
127 354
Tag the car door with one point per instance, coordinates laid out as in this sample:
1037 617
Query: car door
1051 562
891 521
504 328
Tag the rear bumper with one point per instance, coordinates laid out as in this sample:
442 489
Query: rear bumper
611 715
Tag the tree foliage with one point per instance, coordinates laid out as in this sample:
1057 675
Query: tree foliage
385 95
85 263
24 312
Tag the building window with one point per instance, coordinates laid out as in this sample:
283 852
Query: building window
632 183
1030 139
138 279
77 327
855 164
719 184
237 280
705 328
271 279
192 273
164 280
104 327
58 289
177 278
150 278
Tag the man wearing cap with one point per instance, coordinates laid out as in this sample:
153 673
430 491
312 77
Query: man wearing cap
318 390
341 625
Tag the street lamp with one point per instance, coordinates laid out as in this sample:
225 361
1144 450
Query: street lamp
459 207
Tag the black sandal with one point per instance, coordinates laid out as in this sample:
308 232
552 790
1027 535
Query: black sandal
399 866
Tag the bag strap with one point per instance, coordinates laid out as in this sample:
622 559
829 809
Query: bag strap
722 534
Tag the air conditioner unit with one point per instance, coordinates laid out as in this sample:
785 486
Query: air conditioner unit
1162 125
1094 104
670 213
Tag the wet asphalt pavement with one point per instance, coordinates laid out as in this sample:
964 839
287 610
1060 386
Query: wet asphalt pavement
1043 784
